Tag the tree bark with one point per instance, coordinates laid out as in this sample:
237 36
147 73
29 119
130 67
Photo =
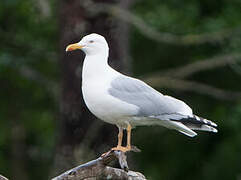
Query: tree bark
76 123
99 169
3 178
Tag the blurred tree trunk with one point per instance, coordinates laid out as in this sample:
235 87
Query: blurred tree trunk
78 129
18 152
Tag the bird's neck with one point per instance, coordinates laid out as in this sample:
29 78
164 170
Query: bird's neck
95 66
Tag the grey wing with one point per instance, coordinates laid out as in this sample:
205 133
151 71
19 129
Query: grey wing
153 104
150 102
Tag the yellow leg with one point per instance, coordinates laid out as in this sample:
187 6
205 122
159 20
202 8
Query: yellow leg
120 136
128 146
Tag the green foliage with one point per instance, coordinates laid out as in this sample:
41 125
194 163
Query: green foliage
169 155
27 109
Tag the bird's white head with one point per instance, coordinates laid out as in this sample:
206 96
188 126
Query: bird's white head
91 44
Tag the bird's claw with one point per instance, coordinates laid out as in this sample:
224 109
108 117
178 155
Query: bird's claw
126 149
122 149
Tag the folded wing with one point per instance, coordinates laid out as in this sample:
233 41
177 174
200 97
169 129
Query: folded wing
153 104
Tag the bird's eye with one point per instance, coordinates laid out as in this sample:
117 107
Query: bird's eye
91 41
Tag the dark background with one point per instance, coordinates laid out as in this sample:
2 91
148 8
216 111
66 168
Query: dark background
188 49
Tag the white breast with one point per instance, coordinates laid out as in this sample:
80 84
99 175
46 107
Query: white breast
96 80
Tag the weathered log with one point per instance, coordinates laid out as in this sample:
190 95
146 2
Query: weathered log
99 169
3 178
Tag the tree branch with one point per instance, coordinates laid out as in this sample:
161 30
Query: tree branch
203 65
3 178
165 37
191 86
150 32
98 169
173 78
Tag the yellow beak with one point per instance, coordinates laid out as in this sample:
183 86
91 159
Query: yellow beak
72 47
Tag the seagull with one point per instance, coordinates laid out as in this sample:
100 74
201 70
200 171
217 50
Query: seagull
129 102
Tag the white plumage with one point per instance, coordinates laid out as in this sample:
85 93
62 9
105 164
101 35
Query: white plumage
129 102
